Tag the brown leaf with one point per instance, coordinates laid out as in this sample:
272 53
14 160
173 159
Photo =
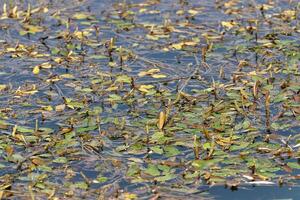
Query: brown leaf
297 100
9 150
38 161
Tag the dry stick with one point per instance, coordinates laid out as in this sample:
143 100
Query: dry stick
159 64
59 92
267 110
187 80
196 148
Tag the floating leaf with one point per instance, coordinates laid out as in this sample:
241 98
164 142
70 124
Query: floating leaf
152 170
61 160
145 88
80 16
158 76
293 165
165 178
149 72
229 24
36 70
2 87
161 120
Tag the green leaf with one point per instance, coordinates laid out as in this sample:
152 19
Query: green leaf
205 164
152 170
81 185
86 129
24 129
61 160
171 151
102 179
166 177
157 150
293 165
133 170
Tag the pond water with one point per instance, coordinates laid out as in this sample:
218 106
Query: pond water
149 99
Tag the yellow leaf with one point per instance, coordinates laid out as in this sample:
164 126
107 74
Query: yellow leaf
66 76
5 10
80 16
36 70
177 46
149 72
229 24
289 14
46 65
58 60
190 43
33 29
10 49
48 108
180 12
2 87
45 10
193 12
130 196
159 76
143 73
112 88
142 10
145 88
81 34
60 108
152 37
161 120
112 64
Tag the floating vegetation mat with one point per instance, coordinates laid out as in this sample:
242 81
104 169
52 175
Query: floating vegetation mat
147 99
